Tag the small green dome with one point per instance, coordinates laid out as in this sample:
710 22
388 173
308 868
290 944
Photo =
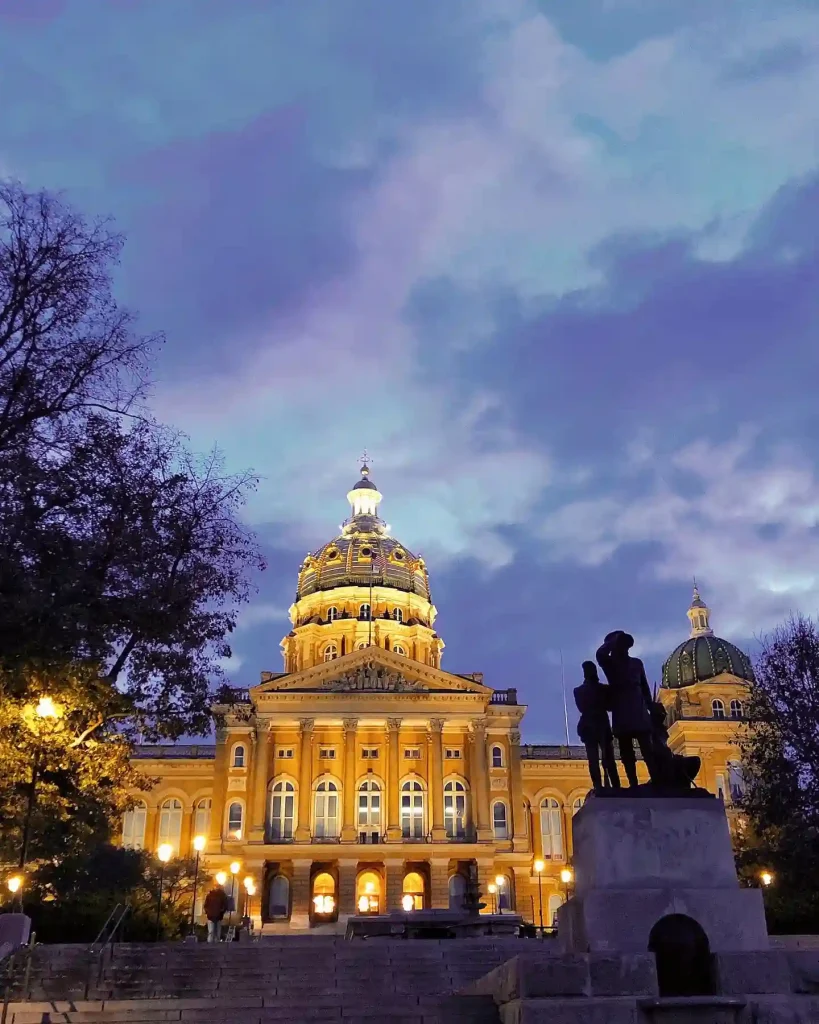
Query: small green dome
700 658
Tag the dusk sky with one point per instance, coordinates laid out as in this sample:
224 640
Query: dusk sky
555 263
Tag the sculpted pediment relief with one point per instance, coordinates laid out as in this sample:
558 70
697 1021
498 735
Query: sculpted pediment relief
371 677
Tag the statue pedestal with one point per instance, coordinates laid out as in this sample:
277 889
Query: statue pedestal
639 860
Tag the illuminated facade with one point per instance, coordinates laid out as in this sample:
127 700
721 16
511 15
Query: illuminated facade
365 776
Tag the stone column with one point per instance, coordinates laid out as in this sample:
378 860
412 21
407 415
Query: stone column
439 883
393 885
393 782
349 832
261 763
220 774
520 842
305 779
436 787
480 774
300 894
536 834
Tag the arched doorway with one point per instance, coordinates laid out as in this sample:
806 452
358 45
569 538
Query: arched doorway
457 891
278 898
324 904
368 893
414 889
683 954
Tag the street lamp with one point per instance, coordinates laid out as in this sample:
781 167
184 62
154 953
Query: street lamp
766 878
235 868
165 852
566 876
250 889
15 885
492 890
500 881
221 878
407 903
199 846
39 718
539 867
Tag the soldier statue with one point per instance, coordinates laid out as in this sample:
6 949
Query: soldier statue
591 698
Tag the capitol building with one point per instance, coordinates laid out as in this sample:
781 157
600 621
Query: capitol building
366 777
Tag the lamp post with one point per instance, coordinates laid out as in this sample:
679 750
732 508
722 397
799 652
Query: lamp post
492 891
39 718
235 868
15 885
566 876
165 852
539 867
199 846
500 882
766 877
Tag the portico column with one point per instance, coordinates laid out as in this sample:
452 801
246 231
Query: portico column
220 774
261 762
349 833
393 782
481 780
519 839
305 779
436 726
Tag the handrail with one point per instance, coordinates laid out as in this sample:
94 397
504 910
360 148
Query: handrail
104 928
9 966
97 965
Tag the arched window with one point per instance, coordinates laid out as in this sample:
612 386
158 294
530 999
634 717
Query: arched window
369 806
717 708
399 649
368 892
330 652
555 902
577 803
551 828
324 895
412 809
201 816
133 826
361 647
282 810
236 816
332 614
504 893
238 756
457 891
364 612
497 757
170 824
414 887
737 710
499 820
278 904
326 810
455 809
398 615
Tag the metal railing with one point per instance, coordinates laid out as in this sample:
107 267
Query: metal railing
509 696
101 949
23 953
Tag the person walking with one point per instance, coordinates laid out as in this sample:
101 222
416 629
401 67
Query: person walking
216 905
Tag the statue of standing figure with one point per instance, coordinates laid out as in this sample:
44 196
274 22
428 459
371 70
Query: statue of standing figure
591 698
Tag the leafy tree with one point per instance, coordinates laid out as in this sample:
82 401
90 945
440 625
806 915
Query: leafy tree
780 753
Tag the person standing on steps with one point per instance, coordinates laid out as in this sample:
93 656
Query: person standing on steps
216 906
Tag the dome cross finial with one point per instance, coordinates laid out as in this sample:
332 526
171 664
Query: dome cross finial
365 461
699 614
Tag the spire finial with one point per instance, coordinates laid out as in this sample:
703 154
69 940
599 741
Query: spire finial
365 461
699 615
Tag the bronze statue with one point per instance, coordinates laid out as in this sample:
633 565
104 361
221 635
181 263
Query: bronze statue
630 702
593 728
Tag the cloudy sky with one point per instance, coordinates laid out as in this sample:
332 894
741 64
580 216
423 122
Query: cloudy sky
556 265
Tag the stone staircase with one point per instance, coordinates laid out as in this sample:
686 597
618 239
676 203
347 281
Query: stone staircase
282 979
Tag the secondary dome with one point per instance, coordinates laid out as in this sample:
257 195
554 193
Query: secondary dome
704 656
363 552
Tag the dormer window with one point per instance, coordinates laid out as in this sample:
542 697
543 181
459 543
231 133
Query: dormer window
364 612
332 614
398 615
398 649
717 708
330 652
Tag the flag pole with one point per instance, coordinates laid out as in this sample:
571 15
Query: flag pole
370 616
565 706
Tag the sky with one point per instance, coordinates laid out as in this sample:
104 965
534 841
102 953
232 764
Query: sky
555 265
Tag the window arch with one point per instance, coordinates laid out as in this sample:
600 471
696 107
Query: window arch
330 652
369 806
398 615
332 613
278 903
555 902
238 758
282 810
368 892
364 612
326 810
324 895
398 649
455 809
362 646
505 894
551 828
717 708
499 824
414 886
133 826
457 891
236 817
577 803
412 809
497 757
170 823
201 816
737 711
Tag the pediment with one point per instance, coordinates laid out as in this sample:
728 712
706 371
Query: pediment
371 670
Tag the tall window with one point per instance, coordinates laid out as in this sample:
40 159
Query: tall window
201 816
239 756
736 709
326 810
577 803
497 757
555 902
399 649
369 806
499 825
324 895
412 809
170 824
364 611
235 820
279 900
455 809
282 810
414 887
551 828
398 615
330 652
332 614
457 891
717 708
133 826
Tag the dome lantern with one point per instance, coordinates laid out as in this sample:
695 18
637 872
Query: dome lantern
698 615
364 498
